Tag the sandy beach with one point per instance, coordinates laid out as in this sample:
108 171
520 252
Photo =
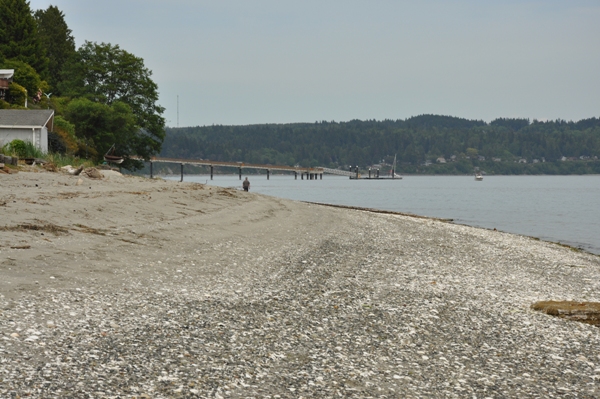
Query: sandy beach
127 287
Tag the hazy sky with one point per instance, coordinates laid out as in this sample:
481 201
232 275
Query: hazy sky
278 61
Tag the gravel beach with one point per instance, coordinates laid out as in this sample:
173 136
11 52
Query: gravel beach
125 287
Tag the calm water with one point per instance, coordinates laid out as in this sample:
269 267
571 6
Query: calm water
555 208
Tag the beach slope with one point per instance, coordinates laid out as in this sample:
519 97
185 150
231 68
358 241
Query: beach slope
142 288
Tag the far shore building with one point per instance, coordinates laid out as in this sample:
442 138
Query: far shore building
30 125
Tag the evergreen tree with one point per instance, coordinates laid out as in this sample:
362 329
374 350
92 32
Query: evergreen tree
18 36
58 41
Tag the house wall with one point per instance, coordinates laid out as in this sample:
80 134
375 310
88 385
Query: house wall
37 136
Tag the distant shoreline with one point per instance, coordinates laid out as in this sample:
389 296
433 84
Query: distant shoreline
362 174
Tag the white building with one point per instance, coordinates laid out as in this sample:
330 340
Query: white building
26 124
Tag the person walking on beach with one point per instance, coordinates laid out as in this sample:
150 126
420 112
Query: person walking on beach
246 184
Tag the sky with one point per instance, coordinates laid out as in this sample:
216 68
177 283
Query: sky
239 62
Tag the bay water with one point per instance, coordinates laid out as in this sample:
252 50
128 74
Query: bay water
563 209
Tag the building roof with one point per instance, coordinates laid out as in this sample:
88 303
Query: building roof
6 73
25 117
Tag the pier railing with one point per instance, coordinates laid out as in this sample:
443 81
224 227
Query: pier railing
338 172
310 173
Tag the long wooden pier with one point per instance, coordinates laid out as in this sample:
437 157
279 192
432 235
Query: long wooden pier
310 173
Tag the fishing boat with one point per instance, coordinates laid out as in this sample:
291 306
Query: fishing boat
478 176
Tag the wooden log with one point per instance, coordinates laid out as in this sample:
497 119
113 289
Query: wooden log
585 312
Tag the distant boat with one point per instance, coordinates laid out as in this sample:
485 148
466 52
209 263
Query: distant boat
393 171
478 176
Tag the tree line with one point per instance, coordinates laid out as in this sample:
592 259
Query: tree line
102 95
421 144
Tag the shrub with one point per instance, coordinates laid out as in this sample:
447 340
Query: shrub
22 149
16 94
65 132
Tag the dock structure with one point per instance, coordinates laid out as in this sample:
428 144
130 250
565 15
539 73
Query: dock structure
310 173
338 172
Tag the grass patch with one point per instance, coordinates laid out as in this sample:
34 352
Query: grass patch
60 160
22 149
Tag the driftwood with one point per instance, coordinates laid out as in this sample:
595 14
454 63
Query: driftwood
93 173
9 160
585 312
71 170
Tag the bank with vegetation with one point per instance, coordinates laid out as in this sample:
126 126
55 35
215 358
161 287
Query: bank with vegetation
101 94
427 144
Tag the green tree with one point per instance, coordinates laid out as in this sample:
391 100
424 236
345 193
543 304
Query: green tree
17 96
105 73
65 131
98 126
58 41
26 77
19 37
472 152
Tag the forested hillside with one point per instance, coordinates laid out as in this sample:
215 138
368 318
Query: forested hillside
423 144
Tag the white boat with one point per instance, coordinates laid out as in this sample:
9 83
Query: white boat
393 171
478 176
